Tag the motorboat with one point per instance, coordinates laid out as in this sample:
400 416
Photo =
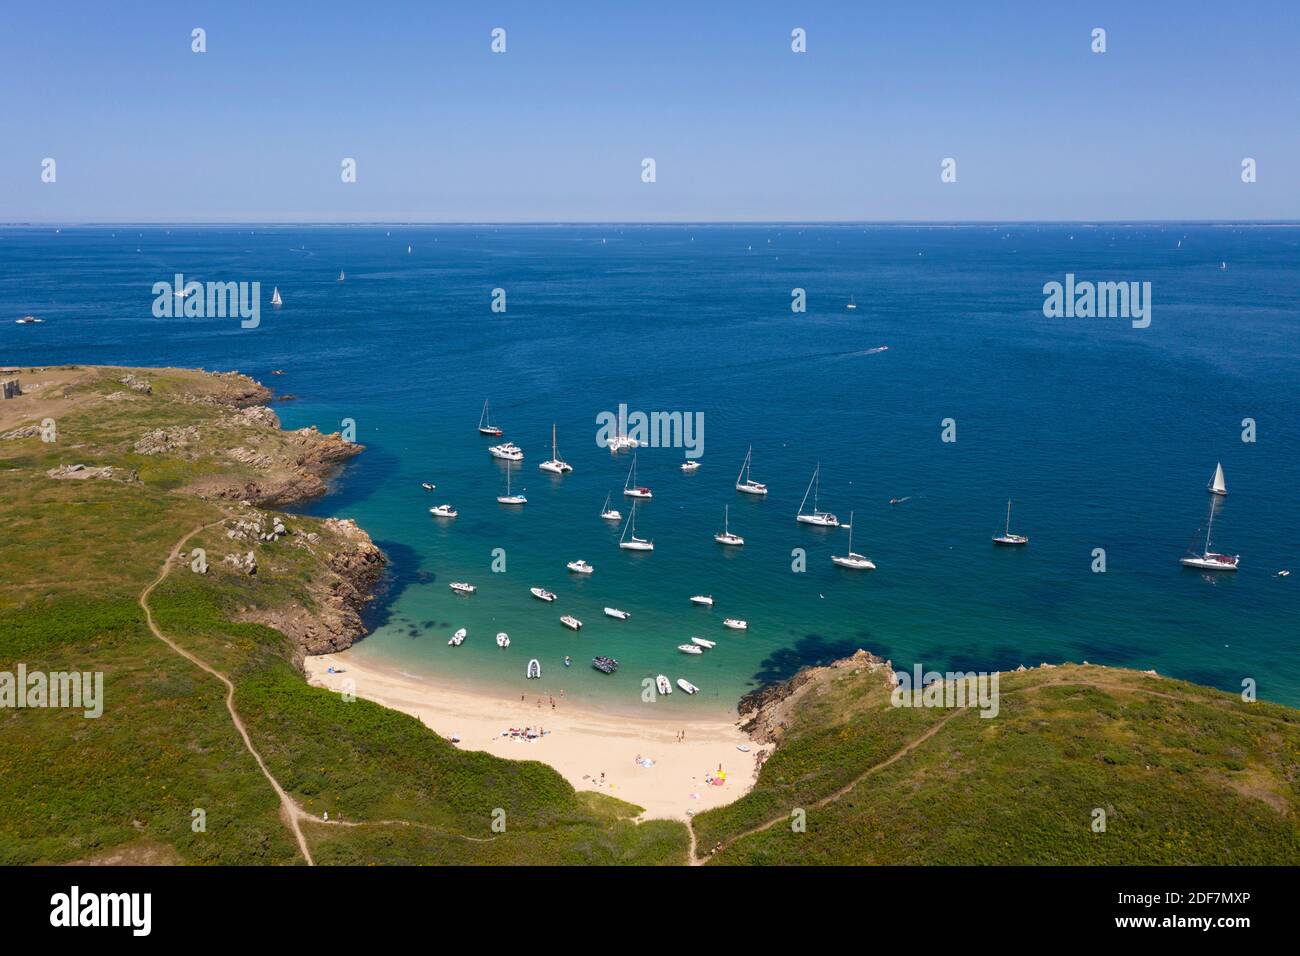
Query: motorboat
617 614
580 567
705 600
503 639
606 665
458 638
690 648
736 624
664 685
542 594
462 587
443 511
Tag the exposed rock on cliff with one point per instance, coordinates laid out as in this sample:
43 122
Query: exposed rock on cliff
768 708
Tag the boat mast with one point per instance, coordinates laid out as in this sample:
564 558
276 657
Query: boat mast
851 534
810 487
1007 531
744 466
1208 528
554 456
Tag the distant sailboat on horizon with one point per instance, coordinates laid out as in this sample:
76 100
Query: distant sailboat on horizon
341 275
275 297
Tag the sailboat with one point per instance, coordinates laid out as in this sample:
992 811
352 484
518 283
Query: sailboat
1209 560
608 513
275 297
631 488
485 426
633 543
508 498
1217 485
818 517
725 536
341 276
859 562
852 305
1006 537
743 480
556 465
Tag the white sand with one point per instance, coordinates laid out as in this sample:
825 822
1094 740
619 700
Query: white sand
580 743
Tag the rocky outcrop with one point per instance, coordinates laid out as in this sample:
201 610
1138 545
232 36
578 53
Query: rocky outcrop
133 382
77 472
768 709
163 441
354 567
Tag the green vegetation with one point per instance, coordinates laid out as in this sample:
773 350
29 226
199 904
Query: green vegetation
1184 774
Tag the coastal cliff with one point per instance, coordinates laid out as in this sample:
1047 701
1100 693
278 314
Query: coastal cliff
210 436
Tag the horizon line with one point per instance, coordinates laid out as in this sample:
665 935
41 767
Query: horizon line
31 223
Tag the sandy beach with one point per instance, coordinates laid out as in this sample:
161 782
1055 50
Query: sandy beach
581 744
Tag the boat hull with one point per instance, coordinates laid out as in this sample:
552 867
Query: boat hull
1215 563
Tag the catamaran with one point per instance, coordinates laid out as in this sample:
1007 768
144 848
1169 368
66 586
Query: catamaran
608 513
556 465
580 567
853 560
507 451
630 488
1217 485
1006 538
633 543
485 426
725 536
818 517
508 498
743 480
1209 560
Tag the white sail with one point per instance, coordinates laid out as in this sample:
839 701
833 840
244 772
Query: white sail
1217 485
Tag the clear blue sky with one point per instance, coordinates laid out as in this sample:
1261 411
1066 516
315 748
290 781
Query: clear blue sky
741 128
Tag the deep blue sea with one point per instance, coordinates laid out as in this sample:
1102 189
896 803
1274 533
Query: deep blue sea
1104 435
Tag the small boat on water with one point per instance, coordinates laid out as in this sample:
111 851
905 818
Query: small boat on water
608 513
443 511
664 684
275 297
557 465
705 600
571 622
1217 486
580 567
341 275
706 644
509 498
633 543
690 649
852 305
744 482
1006 538
690 467
503 639
736 624
858 562
458 638
725 536
568 661
428 485
542 594
485 426
28 320
687 686
462 587
606 665
630 488
823 519
1205 559
617 614
507 451
534 670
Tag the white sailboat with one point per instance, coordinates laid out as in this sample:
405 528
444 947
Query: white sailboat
859 562
608 513
823 519
852 305
632 542
485 426
508 498
341 275
1208 560
725 536
1006 538
1217 485
743 480
556 465
275 297
630 488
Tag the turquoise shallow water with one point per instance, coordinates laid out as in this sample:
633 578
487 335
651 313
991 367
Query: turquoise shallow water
1104 435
